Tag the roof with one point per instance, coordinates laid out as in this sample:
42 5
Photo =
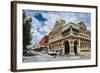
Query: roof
70 24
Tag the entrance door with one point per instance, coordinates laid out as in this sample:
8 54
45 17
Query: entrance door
75 47
67 49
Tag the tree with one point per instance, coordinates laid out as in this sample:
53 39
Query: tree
26 32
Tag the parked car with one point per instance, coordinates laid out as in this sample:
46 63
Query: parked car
52 53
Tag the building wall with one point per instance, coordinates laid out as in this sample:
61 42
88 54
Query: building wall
43 41
56 39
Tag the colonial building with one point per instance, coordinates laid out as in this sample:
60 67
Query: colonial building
43 41
71 38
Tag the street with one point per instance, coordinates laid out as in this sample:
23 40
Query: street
44 57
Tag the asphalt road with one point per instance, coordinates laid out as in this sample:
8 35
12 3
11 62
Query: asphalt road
44 57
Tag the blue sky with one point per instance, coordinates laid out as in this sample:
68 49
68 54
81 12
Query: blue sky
43 21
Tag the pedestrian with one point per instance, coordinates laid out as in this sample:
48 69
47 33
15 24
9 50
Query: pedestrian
60 52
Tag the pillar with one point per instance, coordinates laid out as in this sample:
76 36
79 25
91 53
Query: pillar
71 44
63 49
78 47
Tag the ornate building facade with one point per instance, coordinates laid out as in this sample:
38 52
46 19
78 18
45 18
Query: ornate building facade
43 41
70 39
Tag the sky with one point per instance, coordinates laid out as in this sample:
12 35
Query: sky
43 21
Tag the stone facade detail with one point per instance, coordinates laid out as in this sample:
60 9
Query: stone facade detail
70 39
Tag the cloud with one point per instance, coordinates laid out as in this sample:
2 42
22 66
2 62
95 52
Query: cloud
34 30
44 30
36 37
44 21
35 23
51 20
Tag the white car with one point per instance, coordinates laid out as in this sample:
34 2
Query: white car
51 53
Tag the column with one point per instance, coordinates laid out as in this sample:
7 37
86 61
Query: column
78 47
71 44
63 48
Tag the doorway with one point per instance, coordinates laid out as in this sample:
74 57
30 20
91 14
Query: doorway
75 47
67 47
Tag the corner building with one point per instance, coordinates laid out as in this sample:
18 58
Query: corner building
70 39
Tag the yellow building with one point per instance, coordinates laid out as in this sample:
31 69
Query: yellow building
71 39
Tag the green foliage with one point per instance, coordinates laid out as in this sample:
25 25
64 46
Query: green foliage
24 15
26 31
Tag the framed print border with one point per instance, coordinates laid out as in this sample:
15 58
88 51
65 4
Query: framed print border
14 35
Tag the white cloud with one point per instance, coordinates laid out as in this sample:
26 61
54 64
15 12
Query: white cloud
35 23
53 16
49 24
36 37
51 19
44 29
